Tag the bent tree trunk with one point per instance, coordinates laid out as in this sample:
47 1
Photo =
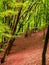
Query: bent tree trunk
45 48
10 41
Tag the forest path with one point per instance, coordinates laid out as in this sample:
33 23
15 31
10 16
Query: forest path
27 51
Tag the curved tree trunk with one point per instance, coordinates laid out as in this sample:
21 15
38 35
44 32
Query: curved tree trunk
45 48
10 41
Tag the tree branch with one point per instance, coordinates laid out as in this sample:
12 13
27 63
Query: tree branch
28 8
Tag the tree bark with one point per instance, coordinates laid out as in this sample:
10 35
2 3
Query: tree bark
45 48
10 41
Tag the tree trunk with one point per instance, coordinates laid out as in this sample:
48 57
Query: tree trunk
45 48
10 41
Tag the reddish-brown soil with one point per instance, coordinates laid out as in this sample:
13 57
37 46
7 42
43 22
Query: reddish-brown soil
27 51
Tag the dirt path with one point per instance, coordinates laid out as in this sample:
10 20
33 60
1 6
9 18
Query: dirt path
27 51
27 57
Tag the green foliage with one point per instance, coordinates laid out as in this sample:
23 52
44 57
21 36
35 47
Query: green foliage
37 16
1 50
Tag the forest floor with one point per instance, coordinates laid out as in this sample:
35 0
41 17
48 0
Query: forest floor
27 51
